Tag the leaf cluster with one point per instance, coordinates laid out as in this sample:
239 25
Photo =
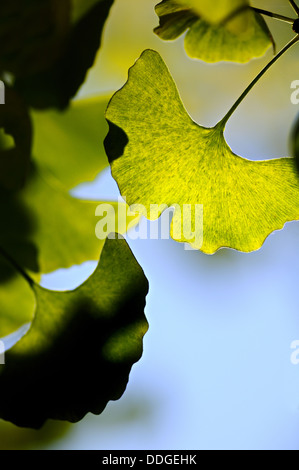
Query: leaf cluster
75 350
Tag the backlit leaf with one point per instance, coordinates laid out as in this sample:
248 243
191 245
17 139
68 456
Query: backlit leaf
209 36
216 11
169 159
81 346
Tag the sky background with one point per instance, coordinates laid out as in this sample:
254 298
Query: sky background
216 371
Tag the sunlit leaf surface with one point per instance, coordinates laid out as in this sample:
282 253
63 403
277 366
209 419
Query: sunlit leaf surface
163 157
210 37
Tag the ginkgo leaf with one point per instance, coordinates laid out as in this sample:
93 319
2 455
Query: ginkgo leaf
171 160
210 37
68 145
81 346
217 11
62 228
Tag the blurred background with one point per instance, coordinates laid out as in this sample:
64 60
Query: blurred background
216 371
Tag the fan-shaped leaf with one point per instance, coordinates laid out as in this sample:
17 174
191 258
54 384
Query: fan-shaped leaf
171 160
210 37
81 345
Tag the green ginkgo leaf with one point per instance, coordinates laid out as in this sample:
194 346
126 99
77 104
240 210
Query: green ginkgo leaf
68 145
217 11
211 37
167 159
81 346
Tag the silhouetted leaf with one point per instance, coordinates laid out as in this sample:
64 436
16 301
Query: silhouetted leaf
210 37
81 345
33 34
15 122
15 438
56 85
171 160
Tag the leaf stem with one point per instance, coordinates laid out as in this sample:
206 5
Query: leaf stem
276 16
16 266
223 122
293 4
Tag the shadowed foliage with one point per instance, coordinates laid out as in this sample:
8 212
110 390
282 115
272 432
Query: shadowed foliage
81 345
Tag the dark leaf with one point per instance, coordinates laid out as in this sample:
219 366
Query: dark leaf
33 34
81 345
15 122
55 86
